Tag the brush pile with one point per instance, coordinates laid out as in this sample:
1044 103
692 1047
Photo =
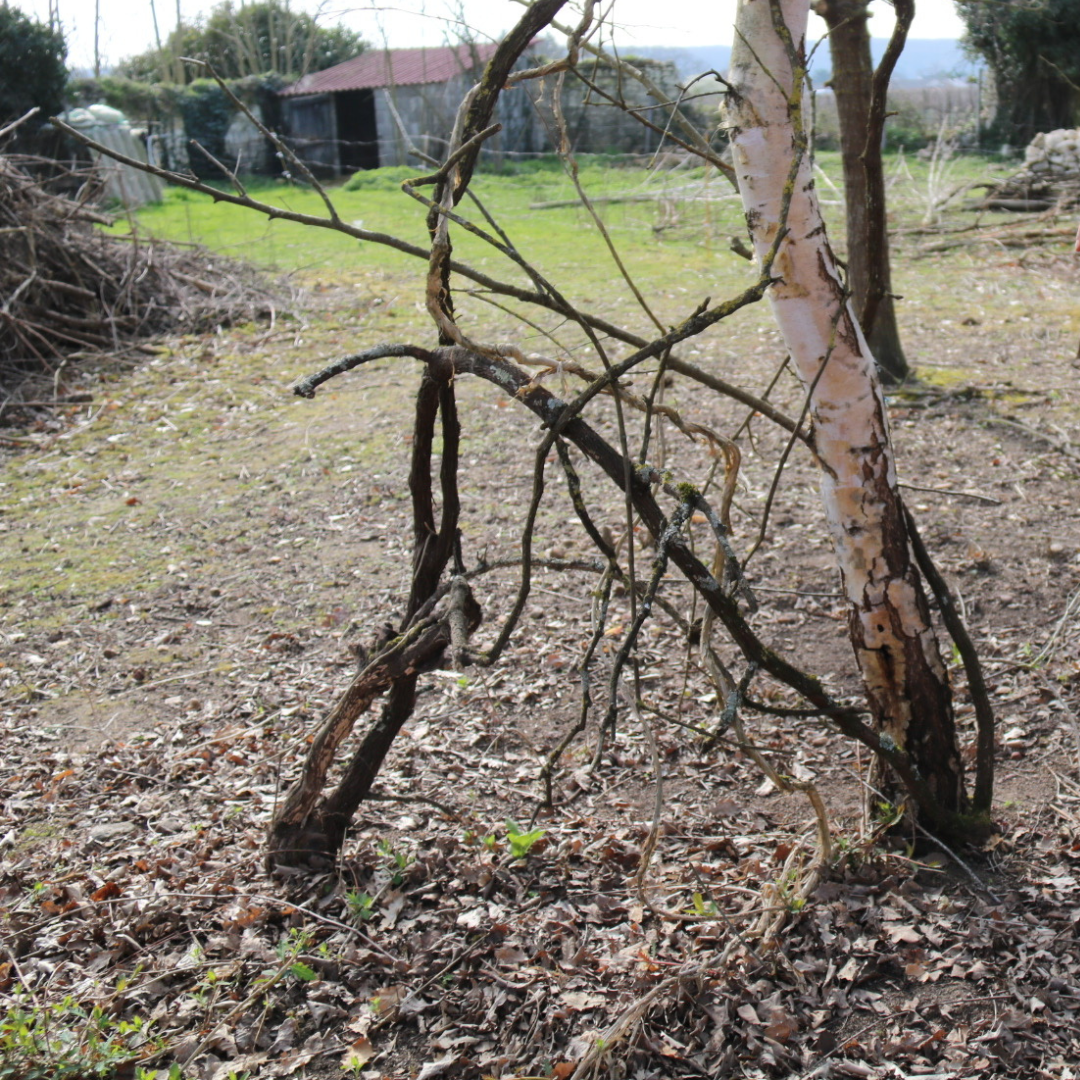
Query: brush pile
1049 180
69 290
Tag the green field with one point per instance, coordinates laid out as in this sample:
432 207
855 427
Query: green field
672 229
670 220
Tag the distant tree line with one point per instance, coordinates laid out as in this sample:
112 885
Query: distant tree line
33 68
1032 47
264 38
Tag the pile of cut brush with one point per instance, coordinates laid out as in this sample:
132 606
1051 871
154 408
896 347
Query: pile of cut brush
70 290
1049 180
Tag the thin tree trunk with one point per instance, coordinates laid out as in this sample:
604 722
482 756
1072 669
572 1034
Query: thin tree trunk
309 828
897 651
97 38
162 59
868 272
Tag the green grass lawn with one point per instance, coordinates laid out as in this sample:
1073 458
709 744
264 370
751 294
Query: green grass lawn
671 228
694 204
683 226
551 239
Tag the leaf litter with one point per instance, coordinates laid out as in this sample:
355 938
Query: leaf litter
132 874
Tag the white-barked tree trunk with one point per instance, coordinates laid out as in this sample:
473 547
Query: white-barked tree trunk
895 645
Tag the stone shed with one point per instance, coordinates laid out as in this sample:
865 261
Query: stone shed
598 106
364 113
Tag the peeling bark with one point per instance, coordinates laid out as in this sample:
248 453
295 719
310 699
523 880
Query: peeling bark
905 680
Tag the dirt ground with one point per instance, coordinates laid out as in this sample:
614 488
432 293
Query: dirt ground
189 559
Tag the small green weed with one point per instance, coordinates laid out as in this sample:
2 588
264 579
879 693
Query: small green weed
289 950
887 814
701 907
521 842
361 904
397 859
64 1041
303 972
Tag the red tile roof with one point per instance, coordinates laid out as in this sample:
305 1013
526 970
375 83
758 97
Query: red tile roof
394 67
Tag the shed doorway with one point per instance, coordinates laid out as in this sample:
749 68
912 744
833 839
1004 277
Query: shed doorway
358 138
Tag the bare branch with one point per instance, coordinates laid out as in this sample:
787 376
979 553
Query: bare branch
694 137
283 149
307 386
9 128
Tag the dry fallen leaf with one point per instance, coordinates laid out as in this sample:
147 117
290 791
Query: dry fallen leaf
437 1068
358 1054
749 1014
388 999
579 1001
904 932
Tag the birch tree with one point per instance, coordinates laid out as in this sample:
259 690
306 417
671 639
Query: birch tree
895 644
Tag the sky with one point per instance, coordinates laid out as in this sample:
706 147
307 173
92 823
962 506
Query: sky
126 27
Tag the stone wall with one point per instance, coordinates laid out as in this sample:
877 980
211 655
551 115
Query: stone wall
1054 152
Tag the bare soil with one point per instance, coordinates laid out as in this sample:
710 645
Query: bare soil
189 559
